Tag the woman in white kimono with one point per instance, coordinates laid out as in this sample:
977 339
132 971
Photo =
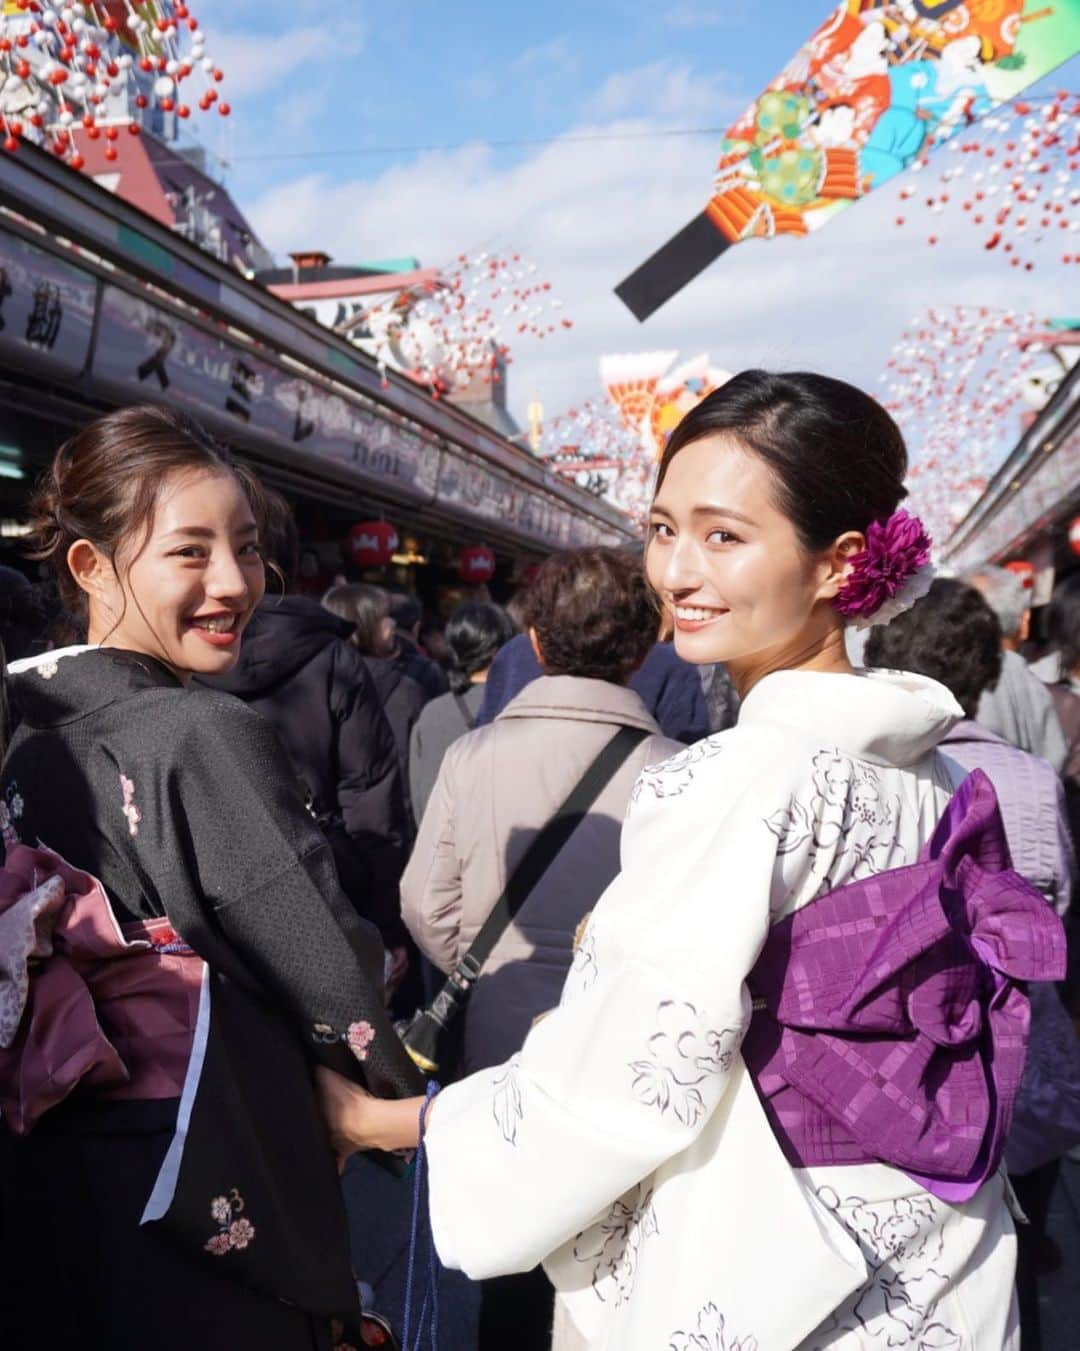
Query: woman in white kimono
735 1134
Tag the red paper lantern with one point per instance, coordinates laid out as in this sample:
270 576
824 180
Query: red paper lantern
1074 534
476 564
372 543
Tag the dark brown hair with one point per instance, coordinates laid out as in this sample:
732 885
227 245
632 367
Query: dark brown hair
836 456
593 613
104 482
363 606
951 635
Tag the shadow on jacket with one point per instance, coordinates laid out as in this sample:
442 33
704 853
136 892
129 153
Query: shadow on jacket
497 787
298 670
669 687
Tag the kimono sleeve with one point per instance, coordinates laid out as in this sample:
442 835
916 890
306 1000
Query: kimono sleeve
626 1072
249 881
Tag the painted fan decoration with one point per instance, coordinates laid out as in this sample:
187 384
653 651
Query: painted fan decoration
873 92
93 69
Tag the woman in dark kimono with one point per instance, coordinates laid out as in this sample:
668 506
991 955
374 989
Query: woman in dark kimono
175 950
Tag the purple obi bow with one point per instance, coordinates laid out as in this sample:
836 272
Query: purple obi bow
894 1026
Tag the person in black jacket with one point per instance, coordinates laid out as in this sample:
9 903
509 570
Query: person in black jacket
399 674
298 669
429 675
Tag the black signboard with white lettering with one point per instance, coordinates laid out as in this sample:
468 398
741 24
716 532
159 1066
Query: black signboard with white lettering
46 309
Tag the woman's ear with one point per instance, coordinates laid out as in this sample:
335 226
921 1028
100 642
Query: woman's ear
537 652
836 562
91 570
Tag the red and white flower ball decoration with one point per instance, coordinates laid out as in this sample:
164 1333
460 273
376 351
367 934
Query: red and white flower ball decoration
476 564
372 544
462 328
1074 534
593 446
1014 178
954 382
72 70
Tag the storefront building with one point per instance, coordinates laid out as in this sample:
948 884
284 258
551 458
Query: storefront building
101 306
1031 508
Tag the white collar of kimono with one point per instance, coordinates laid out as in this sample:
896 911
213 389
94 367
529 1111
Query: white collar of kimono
886 717
47 658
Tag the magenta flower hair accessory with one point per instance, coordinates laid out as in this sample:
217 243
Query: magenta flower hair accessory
890 574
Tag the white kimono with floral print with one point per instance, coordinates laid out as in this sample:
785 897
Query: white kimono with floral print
625 1147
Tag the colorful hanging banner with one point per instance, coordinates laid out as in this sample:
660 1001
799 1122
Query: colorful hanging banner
875 88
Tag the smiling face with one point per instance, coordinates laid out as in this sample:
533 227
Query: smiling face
731 571
185 590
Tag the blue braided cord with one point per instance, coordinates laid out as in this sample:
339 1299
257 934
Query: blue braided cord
431 1284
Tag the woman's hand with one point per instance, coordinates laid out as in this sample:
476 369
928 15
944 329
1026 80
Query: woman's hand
356 1120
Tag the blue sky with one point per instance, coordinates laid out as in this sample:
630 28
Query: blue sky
306 77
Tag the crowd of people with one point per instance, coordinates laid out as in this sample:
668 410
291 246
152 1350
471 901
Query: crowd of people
691 920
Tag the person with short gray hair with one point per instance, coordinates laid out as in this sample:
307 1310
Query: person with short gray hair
1018 708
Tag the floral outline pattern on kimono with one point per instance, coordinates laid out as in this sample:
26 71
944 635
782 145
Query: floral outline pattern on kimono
671 778
711 1335
620 1235
849 822
507 1106
683 1055
902 1241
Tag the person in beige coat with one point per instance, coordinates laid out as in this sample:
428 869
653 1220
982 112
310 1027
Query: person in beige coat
593 622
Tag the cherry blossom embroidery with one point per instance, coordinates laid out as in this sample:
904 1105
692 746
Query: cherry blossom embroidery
357 1037
711 1334
131 811
11 809
683 1056
506 1106
47 669
234 1229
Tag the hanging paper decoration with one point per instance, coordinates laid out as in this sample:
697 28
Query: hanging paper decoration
460 329
372 543
476 564
93 69
876 88
653 394
955 383
1024 570
593 447
1014 179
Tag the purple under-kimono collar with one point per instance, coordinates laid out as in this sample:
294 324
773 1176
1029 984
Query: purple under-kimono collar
898 1014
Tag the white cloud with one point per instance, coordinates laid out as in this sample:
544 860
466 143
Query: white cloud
255 63
588 212
713 15
666 91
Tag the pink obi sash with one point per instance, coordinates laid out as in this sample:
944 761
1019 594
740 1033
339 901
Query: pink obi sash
86 1004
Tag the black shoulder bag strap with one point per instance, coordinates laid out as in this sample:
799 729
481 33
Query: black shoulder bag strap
423 1034
463 708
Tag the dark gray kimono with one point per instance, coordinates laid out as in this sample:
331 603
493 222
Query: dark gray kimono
182 804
